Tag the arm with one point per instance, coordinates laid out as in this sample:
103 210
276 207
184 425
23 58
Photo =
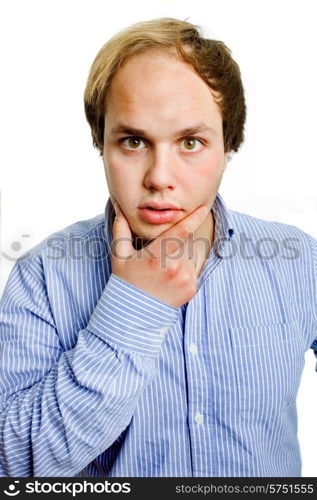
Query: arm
314 347
60 410
314 280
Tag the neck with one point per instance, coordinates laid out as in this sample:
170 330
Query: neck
205 234
203 241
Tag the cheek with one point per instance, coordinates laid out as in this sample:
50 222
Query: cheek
206 178
121 180
207 172
113 167
212 167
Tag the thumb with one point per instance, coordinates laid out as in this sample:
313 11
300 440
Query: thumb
122 247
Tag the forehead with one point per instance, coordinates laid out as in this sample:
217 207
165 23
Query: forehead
160 86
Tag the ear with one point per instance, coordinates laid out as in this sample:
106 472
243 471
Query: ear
228 157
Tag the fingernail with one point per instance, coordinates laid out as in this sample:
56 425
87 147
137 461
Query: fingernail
116 208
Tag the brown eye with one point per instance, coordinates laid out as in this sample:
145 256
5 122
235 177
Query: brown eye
189 143
192 144
132 143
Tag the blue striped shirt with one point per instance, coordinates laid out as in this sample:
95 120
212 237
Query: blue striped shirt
99 378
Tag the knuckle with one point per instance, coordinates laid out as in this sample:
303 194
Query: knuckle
185 279
172 270
153 264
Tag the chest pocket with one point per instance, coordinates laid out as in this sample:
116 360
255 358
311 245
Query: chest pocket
268 363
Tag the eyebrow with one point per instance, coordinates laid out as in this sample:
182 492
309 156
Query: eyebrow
121 128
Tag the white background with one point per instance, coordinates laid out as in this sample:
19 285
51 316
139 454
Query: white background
50 174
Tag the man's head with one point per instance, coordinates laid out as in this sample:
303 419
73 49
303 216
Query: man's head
211 59
165 107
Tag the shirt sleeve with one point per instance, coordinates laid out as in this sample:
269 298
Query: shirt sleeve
60 409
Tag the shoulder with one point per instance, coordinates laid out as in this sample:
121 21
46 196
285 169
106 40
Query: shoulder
275 237
58 244
254 226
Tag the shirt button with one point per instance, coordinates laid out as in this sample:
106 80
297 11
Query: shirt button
199 418
193 349
162 331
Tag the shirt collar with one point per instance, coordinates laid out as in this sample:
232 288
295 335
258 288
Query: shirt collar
224 229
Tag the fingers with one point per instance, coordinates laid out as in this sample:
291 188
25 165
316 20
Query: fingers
193 261
122 238
179 233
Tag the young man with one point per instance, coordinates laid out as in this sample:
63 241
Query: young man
172 342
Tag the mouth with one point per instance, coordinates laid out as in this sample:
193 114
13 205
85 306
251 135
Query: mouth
157 209
153 215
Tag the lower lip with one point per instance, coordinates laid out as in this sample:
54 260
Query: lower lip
158 216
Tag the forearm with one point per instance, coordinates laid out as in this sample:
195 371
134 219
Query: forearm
87 396
75 412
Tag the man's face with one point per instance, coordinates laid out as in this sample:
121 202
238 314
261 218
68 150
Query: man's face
163 142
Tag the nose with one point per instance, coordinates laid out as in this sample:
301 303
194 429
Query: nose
160 173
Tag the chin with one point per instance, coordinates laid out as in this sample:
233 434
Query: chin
148 233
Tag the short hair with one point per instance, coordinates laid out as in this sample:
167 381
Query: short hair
211 59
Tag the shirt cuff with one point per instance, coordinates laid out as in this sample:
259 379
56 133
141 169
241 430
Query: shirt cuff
128 318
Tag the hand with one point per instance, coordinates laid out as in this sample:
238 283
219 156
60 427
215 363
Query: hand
164 268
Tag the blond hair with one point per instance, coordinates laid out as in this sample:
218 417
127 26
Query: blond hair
211 59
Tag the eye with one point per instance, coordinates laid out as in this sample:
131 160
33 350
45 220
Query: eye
132 143
192 144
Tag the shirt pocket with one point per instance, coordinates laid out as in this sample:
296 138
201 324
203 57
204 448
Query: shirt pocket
268 363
